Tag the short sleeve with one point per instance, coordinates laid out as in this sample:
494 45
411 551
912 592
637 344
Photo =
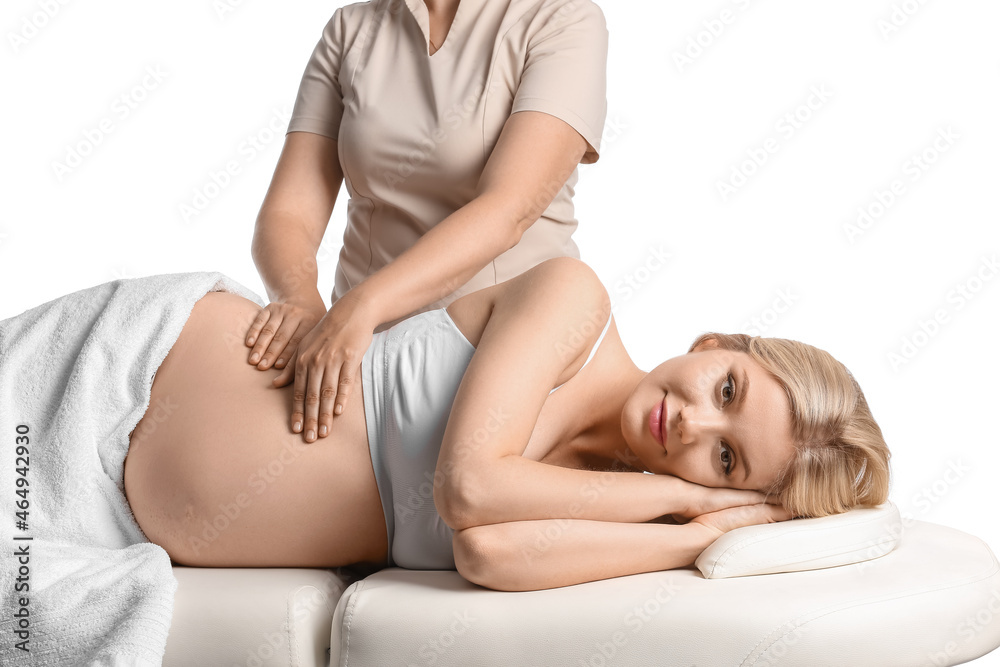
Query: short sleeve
565 71
319 105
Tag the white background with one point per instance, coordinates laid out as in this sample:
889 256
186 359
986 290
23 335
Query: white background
675 131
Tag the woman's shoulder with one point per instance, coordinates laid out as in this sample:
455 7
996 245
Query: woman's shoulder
552 282
570 269
556 278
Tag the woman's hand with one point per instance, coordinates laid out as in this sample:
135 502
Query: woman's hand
723 521
326 366
695 499
277 331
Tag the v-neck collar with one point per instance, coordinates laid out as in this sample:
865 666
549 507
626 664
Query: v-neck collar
423 17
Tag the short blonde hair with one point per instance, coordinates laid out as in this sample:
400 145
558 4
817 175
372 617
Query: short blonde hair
841 460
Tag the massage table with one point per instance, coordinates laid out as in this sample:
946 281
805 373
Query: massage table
867 587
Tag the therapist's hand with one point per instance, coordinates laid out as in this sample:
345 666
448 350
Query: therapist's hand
277 331
327 366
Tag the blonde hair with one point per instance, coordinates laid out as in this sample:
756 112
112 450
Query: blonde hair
841 460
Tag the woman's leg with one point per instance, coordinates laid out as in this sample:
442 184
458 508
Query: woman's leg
215 476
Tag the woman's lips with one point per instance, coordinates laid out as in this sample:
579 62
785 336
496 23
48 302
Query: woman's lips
664 422
656 422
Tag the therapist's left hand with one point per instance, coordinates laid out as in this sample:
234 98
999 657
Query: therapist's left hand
327 366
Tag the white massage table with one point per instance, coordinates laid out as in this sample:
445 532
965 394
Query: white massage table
861 588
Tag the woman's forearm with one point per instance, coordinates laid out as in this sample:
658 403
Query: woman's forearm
519 489
441 261
533 555
285 256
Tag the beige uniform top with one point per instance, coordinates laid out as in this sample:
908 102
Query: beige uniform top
415 131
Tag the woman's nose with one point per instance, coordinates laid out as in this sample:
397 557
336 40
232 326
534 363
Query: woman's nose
694 424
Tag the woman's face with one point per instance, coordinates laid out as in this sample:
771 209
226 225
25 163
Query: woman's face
723 414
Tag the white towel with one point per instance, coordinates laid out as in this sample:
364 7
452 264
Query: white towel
76 372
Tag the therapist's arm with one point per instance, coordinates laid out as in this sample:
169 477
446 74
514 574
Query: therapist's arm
534 156
532 160
287 235
294 217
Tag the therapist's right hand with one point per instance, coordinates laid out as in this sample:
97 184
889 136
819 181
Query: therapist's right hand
276 332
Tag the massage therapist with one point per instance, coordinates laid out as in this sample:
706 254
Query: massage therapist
414 105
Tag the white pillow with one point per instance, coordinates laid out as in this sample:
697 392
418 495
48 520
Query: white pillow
803 544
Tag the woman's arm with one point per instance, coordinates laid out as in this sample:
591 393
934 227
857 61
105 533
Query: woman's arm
534 156
514 488
542 325
533 555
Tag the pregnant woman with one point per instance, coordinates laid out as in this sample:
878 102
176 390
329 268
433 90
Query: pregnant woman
513 411
457 128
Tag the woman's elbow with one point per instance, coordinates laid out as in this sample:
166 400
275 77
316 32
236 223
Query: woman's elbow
458 504
476 557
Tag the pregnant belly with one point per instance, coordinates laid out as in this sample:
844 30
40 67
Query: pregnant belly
215 475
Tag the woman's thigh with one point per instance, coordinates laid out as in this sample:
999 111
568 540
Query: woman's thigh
215 475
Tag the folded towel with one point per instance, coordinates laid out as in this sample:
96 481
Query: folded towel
81 584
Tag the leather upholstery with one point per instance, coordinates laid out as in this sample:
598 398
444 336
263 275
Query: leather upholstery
254 617
934 600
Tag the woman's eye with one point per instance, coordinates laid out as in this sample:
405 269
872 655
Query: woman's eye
728 389
727 459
